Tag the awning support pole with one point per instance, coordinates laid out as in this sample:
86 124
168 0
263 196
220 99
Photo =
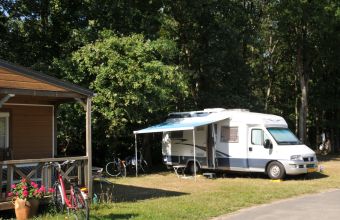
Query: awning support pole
194 139
136 155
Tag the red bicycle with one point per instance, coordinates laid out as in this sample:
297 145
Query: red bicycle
77 199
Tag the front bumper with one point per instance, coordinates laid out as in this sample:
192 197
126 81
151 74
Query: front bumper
299 167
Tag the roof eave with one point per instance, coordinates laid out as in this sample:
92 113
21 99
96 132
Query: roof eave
46 78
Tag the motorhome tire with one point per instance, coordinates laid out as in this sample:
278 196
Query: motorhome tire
276 170
191 168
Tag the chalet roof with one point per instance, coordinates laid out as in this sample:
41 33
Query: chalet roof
45 78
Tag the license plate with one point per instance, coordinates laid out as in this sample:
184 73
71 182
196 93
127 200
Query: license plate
311 170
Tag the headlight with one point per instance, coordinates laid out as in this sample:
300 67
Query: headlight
296 157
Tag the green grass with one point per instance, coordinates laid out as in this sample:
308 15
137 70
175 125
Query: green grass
164 196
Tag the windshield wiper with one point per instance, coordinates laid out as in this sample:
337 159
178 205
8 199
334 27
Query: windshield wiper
289 142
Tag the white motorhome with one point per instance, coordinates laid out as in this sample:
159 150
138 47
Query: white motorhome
235 140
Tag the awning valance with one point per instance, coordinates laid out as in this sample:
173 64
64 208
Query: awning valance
180 124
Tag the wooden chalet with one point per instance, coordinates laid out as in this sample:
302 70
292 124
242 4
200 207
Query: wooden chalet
28 128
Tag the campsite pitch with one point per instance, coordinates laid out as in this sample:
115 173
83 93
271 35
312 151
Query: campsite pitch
165 196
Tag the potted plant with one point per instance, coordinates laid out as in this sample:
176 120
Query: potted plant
26 195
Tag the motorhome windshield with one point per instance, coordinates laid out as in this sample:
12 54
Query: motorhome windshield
283 136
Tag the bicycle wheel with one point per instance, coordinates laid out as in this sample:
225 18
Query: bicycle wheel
57 198
112 169
80 203
122 169
144 166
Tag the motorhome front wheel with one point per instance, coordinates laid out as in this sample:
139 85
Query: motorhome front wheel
276 170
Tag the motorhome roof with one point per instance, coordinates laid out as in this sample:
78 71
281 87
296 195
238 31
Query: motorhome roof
240 115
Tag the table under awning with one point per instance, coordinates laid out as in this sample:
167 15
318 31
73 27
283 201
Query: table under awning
179 124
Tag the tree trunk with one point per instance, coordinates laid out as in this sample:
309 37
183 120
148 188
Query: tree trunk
303 78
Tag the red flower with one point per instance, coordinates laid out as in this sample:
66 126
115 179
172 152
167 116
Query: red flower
10 194
13 186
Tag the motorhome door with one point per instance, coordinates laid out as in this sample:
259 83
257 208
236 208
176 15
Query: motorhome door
212 129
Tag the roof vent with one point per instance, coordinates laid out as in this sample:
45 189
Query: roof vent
239 110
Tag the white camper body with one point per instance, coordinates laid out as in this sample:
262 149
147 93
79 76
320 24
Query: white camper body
236 140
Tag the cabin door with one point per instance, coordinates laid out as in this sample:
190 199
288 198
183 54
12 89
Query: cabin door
257 155
4 136
211 145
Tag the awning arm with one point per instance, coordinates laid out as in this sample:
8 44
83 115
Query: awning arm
136 155
194 139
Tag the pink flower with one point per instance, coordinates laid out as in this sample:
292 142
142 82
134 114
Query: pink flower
51 190
13 186
25 193
23 180
10 194
42 189
24 187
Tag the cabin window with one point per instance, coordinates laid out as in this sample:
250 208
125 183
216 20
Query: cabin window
229 134
176 135
258 137
4 130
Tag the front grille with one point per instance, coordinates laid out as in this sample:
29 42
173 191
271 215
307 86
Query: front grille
308 159
310 166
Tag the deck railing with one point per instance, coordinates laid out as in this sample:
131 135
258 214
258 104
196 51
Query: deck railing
12 171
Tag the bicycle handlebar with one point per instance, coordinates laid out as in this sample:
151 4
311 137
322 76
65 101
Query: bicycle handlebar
59 165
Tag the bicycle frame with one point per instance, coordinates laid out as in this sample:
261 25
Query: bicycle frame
62 189
68 201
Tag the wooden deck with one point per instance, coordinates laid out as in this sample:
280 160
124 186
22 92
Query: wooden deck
12 171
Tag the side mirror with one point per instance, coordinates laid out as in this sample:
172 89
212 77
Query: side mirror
268 144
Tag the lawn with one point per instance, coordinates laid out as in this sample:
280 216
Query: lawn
164 196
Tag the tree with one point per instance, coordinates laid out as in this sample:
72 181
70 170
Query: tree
134 84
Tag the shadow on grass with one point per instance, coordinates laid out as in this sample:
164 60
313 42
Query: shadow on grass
329 157
309 176
109 192
115 216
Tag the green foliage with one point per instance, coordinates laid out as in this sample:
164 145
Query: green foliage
133 84
146 58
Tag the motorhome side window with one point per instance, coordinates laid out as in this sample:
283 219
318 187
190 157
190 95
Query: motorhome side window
176 134
229 134
258 137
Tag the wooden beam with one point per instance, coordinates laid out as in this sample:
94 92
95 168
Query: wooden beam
40 93
11 162
5 99
81 102
6 205
89 148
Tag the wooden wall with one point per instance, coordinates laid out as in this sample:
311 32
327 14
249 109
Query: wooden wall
31 131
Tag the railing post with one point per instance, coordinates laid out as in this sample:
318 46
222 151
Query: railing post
88 179
80 179
1 182
9 178
49 177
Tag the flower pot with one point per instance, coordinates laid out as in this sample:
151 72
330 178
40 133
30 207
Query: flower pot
34 207
25 209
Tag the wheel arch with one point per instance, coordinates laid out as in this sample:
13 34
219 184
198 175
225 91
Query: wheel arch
192 161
